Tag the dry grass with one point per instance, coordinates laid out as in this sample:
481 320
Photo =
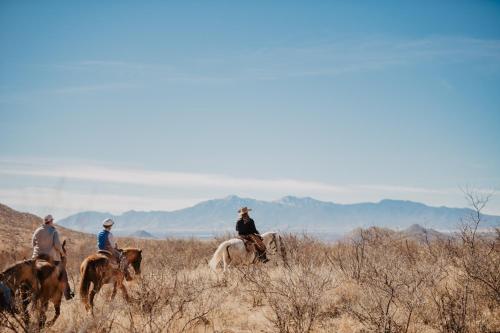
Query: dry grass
374 282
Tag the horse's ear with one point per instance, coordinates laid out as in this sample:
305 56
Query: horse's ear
64 245
140 251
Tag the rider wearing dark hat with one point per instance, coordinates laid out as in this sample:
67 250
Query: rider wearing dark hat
245 226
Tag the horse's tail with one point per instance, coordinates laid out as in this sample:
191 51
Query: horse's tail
218 255
85 280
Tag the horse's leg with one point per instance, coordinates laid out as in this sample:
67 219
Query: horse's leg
43 316
57 308
123 289
224 263
25 301
114 291
96 286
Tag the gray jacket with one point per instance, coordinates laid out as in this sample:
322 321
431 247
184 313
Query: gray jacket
46 241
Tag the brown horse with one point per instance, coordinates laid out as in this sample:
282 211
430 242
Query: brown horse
21 279
52 287
98 270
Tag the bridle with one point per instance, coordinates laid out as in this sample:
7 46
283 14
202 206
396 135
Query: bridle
273 242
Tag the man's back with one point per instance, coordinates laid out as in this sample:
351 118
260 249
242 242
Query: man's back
246 227
45 241
105 240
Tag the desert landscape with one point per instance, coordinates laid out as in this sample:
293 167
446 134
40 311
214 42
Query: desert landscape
259 166
374 280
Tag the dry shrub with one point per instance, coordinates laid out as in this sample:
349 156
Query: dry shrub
169 301
389 277
401 285
297 295
376 281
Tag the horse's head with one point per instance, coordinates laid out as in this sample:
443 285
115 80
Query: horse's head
63 258
275 245
272 242
134 257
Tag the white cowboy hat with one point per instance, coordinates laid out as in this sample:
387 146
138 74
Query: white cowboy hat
244 210
107 223
48 218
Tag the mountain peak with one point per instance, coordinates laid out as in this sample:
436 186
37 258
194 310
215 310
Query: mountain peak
291 200
416 228
231 197
394 202
141 234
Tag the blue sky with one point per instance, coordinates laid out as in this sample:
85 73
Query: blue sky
125 105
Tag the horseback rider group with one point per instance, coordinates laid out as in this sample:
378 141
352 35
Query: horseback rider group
47 246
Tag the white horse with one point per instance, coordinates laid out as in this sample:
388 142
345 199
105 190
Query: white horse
234 251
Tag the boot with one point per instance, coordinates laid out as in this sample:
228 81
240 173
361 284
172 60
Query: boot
68 294
262 257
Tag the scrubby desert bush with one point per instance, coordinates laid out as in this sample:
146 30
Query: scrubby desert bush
297 295
402 285
375 281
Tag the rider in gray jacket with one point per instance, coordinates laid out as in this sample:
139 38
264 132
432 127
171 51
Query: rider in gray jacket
46 244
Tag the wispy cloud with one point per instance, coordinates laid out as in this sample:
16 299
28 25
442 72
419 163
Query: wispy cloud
93 88
42 200
169 179
321 59
161 178
334 58
71 187
329 58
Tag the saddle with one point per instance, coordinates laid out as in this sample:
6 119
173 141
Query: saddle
249 243
116 263
105 253
44 264
43 258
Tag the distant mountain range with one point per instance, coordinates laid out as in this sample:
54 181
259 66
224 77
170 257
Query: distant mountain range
290 214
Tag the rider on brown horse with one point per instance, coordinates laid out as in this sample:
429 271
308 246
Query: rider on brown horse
47 246
106 244
245 227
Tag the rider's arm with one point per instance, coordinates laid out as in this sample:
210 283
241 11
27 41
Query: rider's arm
254 229
57 244
112 241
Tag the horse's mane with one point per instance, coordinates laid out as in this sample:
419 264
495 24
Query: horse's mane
138 252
